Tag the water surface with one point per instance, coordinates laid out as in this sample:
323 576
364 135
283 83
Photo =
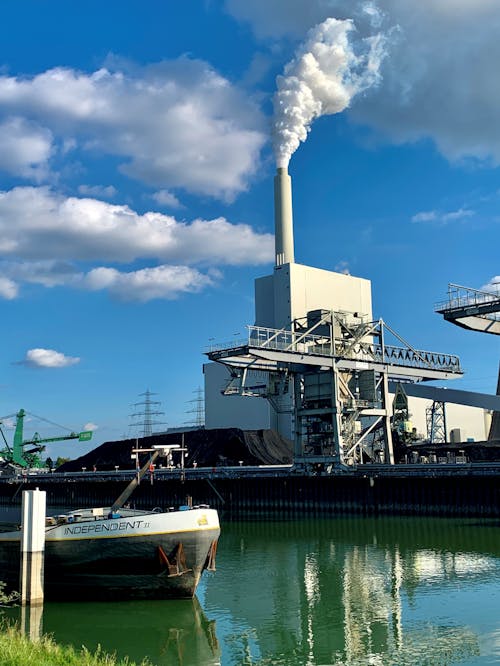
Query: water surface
348 591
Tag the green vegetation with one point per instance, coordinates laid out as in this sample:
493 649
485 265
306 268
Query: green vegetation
16 649
10 599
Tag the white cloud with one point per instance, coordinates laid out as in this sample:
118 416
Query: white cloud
8 289
166 282
176 124
91 426
51 240
439 79
37 224
459 214
166 198
48 358
443 218
343 267
47 273
25 149
280 18
493 285
425 216
102 191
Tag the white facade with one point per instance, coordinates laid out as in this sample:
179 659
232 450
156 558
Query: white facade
473 422
293 290
289 293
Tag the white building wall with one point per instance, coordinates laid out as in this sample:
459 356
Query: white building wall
315 288
470 420
293 290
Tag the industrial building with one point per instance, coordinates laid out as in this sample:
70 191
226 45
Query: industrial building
321 371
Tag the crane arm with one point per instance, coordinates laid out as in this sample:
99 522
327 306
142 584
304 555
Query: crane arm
121 499
84 436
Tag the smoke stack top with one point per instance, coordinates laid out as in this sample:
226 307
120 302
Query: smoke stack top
327 71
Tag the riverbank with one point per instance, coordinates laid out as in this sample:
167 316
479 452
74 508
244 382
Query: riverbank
16 649
468 490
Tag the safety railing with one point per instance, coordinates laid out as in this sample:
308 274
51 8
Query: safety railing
309 344
465 297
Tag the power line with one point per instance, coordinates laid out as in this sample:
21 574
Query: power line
146 415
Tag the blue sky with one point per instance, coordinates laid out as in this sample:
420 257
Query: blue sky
136 187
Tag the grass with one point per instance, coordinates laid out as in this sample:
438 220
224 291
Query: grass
16 649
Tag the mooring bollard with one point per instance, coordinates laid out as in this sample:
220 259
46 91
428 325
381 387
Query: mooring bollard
32 546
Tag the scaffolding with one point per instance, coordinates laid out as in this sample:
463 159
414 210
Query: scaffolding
331 370
436 422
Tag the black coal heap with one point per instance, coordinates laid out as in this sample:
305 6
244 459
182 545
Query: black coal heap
206 448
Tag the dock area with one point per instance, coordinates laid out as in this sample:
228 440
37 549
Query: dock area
276 492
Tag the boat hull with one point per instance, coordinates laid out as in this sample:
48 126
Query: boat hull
153 556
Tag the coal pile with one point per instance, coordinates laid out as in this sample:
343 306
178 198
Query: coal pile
205 448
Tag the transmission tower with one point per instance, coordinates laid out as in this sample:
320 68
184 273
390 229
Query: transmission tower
147 414
198 409
436 422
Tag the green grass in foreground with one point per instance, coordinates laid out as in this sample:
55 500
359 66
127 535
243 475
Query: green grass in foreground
17 650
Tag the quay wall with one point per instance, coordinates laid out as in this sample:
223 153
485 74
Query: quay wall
463 492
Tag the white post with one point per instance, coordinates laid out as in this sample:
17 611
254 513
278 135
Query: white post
32 621
32 546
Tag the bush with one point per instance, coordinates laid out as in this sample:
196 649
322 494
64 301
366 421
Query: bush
10 599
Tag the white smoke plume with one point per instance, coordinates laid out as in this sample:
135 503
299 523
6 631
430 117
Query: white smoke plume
327 71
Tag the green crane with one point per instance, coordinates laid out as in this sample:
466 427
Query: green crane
20 455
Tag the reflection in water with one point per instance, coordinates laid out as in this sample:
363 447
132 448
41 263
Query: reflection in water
168 633
344 592
353 592
374 618
32 621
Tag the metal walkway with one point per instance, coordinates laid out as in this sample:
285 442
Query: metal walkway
266 348
331 370
473 309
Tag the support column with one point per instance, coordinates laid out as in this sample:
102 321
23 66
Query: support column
337 418
389 450
298 451
32 546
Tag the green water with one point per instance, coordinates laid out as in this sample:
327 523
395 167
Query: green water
318 592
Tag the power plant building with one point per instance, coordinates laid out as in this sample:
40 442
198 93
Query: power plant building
288 294
293 292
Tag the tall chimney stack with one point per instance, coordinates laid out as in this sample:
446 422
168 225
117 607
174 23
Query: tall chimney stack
283 217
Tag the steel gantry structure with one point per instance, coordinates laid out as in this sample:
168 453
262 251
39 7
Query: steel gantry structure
475 309
331 371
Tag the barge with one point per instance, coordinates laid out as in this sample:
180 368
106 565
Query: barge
100 553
